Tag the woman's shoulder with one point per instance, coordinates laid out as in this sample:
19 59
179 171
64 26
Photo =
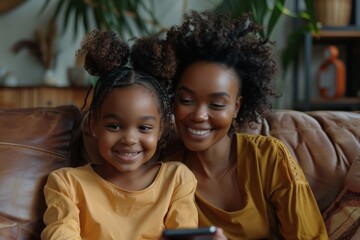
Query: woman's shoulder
263 147
259 141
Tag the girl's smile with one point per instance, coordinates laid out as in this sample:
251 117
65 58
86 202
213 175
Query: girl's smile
128 128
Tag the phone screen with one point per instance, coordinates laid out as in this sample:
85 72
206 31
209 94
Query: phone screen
203 233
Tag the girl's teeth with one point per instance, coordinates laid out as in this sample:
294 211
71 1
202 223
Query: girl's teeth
128 154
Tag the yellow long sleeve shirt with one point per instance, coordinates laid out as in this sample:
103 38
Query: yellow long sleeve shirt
82 205
277 202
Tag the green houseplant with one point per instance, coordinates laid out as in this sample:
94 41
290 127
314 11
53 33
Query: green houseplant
127 17
268 13
137 17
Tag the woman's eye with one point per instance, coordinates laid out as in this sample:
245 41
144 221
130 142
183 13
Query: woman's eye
186 101
217 106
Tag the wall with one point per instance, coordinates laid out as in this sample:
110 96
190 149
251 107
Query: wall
20 23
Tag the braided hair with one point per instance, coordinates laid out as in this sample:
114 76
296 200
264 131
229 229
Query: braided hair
236 44
117 65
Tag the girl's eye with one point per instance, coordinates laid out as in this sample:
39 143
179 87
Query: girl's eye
145 128
113 127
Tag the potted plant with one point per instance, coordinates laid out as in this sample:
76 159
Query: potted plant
268 13
127 17
136 17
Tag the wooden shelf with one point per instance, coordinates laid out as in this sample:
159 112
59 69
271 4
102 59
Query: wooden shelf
348 39
41 96
337 34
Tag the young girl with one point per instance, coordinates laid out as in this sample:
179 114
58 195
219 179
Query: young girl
128 194
250 186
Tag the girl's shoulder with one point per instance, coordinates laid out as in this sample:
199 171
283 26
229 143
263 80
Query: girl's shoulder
73 172
177 170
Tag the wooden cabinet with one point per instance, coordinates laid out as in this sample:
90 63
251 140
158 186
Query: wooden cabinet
24 97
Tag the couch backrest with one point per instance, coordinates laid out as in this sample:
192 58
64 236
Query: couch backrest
325 143
33 142
36 141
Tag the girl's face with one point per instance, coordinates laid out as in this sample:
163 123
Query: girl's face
128 127
206 102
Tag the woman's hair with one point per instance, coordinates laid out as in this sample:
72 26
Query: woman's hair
235 43
116 65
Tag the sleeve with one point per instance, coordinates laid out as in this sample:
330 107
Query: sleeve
182 212
294 202
62 215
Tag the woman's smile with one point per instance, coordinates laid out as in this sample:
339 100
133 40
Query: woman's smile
198 132
205 104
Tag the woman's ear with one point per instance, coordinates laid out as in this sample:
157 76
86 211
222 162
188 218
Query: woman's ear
237 106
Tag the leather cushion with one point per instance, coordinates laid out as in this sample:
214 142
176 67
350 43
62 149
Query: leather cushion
33 142
323 142
352 180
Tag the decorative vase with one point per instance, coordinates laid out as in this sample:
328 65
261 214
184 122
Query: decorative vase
49 77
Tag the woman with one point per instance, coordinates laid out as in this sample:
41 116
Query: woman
250 186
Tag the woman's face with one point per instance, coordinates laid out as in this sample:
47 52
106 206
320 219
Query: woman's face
128 127
206 103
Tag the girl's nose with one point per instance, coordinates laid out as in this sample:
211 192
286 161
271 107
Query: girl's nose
130 137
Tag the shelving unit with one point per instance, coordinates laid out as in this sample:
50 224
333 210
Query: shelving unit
349 38
41 96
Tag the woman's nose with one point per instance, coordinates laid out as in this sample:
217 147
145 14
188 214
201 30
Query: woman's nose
200 114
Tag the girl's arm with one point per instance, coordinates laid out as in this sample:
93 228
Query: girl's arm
62 215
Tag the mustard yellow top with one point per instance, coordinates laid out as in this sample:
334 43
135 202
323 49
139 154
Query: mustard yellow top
277 199
82 205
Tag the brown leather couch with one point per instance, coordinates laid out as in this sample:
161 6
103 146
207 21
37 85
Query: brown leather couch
34 142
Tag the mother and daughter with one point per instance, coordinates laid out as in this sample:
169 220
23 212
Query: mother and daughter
219 73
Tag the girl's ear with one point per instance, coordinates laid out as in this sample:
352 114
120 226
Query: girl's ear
237 106
92 124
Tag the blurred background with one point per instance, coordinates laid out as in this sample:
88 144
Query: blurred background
318 54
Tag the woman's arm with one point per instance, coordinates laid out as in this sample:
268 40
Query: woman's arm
293 200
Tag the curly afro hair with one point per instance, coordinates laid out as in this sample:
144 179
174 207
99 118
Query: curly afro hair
235 43
103 51
146 63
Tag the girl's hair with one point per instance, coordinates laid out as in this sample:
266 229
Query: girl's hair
116 65
234 43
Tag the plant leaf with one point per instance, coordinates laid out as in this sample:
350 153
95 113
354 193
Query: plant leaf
276 13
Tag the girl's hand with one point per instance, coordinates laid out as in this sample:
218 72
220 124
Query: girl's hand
219 234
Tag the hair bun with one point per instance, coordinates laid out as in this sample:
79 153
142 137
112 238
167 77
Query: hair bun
103 51
153 56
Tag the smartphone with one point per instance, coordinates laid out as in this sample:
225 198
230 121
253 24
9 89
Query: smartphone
203 233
